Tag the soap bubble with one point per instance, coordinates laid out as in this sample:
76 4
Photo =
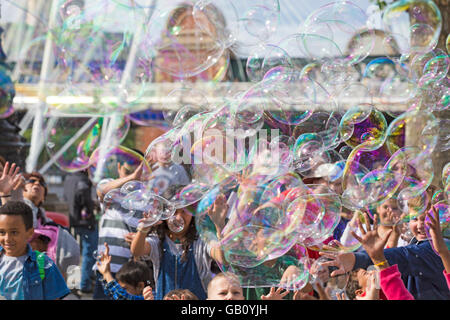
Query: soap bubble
420 21
321 274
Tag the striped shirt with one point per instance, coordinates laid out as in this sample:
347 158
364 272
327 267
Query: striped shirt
113 227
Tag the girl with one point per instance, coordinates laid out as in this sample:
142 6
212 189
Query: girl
180 259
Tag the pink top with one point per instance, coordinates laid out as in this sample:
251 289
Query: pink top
447 277
392 285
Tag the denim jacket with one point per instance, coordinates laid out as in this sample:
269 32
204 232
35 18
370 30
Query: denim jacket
52 287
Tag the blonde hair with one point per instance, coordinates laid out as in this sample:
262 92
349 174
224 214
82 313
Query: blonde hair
231 277
419 201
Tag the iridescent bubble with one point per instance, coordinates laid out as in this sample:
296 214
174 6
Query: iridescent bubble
397 129
359 164
175 223
189 194
72 141
345 22
321 216
131 186
446 174
149 117
411 204
163 42
419 20
308 152
353 94
310 96
442 209
437 68
7 94
73 277
116 162
321 274
438 196
239 26
265 57
272 273
181 97
261 21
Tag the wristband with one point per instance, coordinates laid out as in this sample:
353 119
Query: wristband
381 264
7 196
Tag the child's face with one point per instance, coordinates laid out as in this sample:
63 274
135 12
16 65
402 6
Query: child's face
137 291
163 154
388 212
13 235
39 245
363 277
417 227
225 289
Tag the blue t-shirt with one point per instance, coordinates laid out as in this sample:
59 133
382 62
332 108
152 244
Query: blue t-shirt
27 284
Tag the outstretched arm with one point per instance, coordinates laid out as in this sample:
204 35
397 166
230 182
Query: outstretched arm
218 213
117 183
390 278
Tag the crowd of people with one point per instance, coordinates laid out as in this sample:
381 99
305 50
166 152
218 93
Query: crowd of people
157 262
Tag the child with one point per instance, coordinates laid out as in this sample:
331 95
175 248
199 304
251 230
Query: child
165 173
58 244
361 285
388 214
132 278
421 268
180 259
25 275
180 294
225 286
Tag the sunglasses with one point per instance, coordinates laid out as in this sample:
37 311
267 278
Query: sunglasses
33 181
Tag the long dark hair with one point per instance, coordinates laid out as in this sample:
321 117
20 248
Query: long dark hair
162 230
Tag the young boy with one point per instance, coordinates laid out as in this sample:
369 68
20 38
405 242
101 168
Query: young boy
21 277
225 286
132 278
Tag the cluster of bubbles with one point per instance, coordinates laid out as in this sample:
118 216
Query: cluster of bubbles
337 123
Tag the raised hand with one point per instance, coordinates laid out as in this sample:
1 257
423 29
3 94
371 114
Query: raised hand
218 212
275 294
129 237
435 230
289 277
371 241
148 293
341 296
343 261
137 174
104 262
298 295
436 237
9 179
